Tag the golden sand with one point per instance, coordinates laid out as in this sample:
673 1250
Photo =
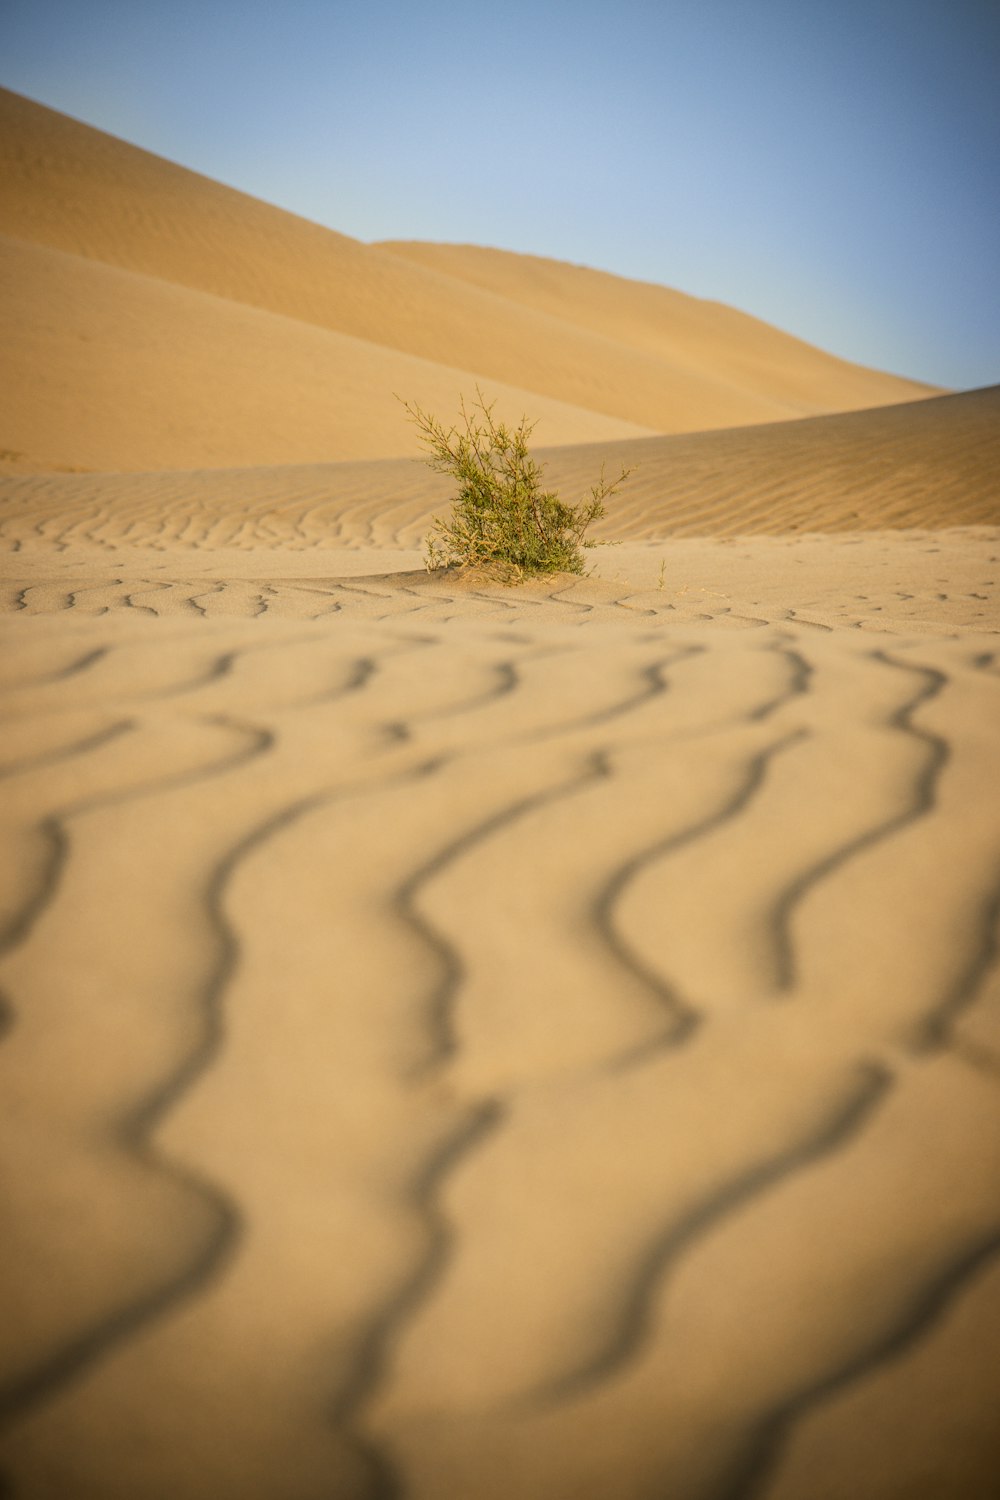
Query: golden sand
463 1042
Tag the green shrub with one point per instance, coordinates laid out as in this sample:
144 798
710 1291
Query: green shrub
502 521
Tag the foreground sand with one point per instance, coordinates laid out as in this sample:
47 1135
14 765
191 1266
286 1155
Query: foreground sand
465 1043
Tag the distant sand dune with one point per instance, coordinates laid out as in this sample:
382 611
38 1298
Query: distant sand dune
113 370
707 337
640 355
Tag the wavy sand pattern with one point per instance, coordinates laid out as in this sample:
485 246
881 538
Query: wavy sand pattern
463 1042
460 1043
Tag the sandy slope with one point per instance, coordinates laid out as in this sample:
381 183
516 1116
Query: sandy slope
217 382
462 1043
110 369
931 464
689 332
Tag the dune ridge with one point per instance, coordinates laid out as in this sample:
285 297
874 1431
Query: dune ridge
113 369
69 188
705 336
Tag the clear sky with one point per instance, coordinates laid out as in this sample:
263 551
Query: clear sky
832 166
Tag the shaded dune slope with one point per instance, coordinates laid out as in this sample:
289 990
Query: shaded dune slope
931 464
70 188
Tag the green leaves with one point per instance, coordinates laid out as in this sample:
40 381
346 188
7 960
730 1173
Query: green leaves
502 521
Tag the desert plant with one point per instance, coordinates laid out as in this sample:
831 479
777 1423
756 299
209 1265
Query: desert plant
502 521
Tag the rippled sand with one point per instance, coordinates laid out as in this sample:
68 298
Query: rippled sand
461 1043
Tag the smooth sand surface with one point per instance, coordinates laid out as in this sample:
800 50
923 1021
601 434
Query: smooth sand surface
465 1043
152 318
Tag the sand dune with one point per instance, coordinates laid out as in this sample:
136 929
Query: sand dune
932 464
689 332
929 465
205 380
461 1042
114 370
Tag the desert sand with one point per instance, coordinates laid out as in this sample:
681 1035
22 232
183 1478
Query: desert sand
460 1042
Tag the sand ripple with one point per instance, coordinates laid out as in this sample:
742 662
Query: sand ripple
470 1043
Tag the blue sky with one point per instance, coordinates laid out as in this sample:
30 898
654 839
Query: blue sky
832 166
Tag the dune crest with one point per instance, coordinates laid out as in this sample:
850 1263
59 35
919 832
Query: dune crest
193 381
702 337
